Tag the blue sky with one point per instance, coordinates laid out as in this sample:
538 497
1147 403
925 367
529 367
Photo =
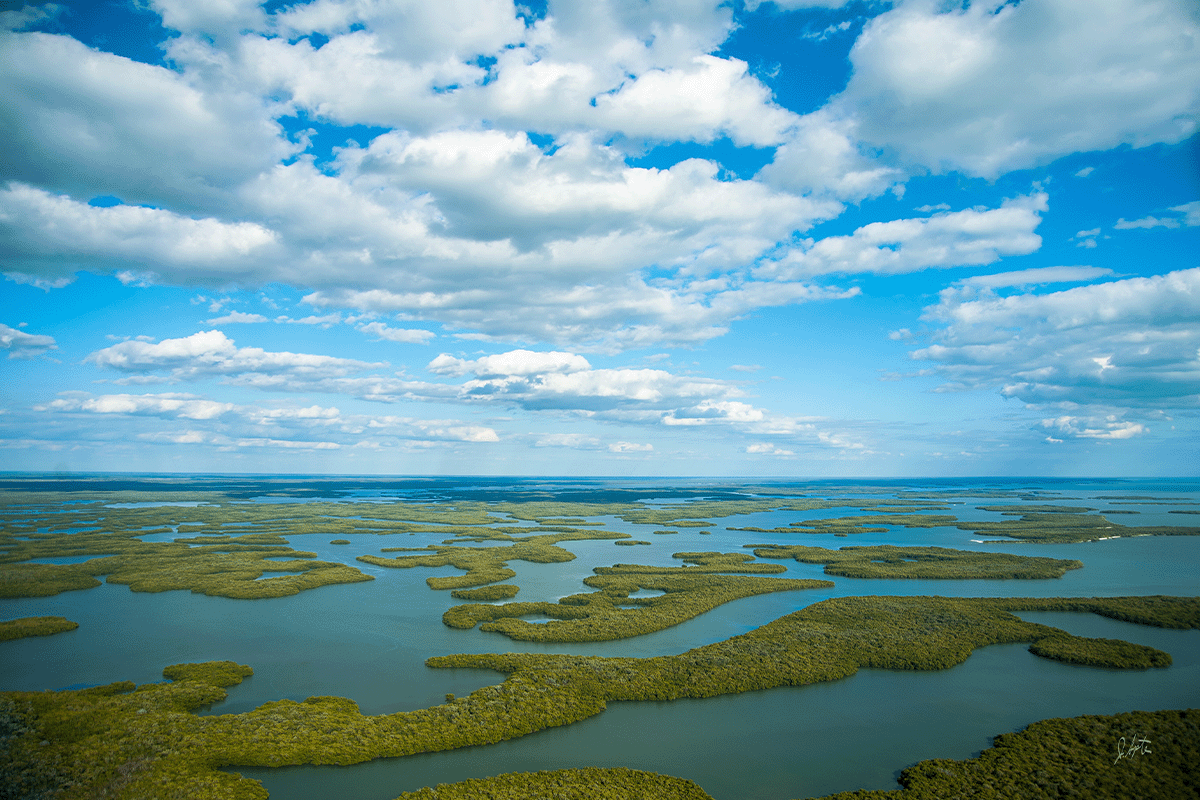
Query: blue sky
796 238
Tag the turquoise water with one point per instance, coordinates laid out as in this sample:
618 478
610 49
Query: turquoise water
369 641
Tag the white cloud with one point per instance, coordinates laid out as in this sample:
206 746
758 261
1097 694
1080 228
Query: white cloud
1083 173
325 320
989 87
237 317
514 362
792 5
407 335
1146 222
20 344
1191 213
946 239
182 406
576 441
768 450
53 236
709 97
229 425
630 447
90 123
1040 275
1190 217
213 353
1091 428
1131 343
822 157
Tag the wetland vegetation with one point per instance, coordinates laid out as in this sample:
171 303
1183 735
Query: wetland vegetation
34 626
940 563
123 741
610 613
589 783
1041 524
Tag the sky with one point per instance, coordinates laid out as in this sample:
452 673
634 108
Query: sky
810 238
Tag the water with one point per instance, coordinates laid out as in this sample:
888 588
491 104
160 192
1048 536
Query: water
369 641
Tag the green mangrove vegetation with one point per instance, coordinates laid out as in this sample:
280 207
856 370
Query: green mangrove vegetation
888 561
484 565
696 563
1137 754
122 741
215 565
872 523
610 613
1064 528
1061 525
630 542
496 591
34 626
588 783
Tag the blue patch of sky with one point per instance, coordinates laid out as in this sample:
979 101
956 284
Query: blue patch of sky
486 63
543 141
736 162
532 10
803 56
315 40
122 27
272 6
326 138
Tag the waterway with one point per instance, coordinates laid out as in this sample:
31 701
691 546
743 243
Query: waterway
369 641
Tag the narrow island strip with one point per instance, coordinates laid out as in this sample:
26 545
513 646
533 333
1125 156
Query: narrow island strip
34 626
1036 524
925 563
122 741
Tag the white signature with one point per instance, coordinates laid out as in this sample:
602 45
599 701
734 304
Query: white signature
1139 744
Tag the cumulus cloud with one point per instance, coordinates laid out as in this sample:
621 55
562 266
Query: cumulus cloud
183 406
708 97
1109 427
52 236
945 239
610 318
822 156
210 353
1131 343
989 87
20 344
90 123
514 362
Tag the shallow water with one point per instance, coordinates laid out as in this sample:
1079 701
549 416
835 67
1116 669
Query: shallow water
369 642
